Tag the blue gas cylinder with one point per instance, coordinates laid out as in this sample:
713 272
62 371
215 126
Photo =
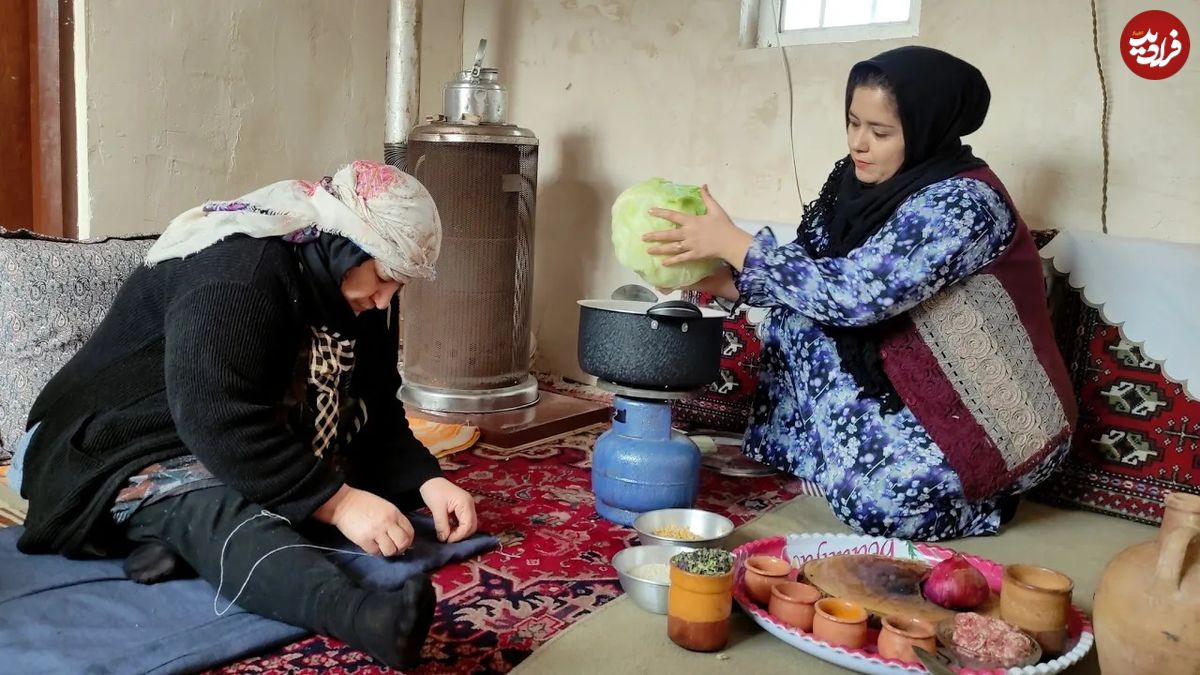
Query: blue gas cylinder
641 464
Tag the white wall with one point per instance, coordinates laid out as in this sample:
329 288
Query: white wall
187 101
195 100
619 90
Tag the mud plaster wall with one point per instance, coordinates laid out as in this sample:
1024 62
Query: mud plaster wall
188 101
619 90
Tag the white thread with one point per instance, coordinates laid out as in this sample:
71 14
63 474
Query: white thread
221 579
506 556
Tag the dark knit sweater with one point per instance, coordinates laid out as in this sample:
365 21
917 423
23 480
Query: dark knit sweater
198 356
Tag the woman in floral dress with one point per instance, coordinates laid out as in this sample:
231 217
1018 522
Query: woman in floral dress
908 365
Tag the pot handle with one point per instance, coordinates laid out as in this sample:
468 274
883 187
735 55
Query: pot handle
678 310
1169 572
478 65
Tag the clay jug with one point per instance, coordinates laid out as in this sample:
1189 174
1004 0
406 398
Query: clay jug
1147 606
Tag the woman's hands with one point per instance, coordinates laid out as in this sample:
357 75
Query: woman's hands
373 523
712 235
378 527
452 507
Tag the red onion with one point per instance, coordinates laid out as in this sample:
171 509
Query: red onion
955 583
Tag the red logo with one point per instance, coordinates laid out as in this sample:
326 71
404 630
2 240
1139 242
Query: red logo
1155 44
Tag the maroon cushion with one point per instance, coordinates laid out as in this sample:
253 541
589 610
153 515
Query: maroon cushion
725 406
1138 436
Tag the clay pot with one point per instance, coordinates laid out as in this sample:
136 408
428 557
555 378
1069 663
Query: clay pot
698 608
1038 600
901 633
1147 606
792 603
840 622
763 572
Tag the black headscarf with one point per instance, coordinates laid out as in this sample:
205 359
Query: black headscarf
326 260
939 98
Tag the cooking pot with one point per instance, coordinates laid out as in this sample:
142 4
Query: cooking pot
672 345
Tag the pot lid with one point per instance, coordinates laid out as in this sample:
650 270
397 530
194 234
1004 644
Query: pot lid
636 307
484 74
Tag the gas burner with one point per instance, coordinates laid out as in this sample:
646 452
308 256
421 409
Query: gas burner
642 464
646 394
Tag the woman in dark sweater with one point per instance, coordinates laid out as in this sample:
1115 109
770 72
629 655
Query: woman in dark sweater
251 366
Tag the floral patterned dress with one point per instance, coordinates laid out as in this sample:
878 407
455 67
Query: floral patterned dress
881 473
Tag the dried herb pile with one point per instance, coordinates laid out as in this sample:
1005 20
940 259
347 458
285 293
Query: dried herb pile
709 562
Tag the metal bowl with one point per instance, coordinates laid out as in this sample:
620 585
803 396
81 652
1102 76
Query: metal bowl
713 528
649 595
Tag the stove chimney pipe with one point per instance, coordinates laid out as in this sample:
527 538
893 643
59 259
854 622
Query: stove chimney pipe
403 79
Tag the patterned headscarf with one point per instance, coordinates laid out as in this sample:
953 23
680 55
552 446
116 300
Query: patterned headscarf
383 210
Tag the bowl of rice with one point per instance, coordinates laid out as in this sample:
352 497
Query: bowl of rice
691 528
645 574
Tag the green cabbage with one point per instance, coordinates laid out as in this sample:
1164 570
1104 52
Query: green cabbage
630 221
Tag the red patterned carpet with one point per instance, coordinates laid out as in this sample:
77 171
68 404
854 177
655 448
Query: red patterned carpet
551 570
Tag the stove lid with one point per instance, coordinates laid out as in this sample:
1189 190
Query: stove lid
449 132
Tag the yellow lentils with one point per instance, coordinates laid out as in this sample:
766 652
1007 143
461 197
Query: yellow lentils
675 532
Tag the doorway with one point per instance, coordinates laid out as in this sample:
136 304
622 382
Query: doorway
37 117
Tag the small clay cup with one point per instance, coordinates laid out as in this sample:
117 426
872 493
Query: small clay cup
840 622
1037 600
763 572
901 633
792 603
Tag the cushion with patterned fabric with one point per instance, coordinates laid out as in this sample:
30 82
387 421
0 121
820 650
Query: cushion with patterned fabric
1138 436
726 404
54 294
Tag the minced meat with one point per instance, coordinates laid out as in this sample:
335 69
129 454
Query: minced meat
990 640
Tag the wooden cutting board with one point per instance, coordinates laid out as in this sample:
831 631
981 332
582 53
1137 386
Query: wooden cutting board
883 585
